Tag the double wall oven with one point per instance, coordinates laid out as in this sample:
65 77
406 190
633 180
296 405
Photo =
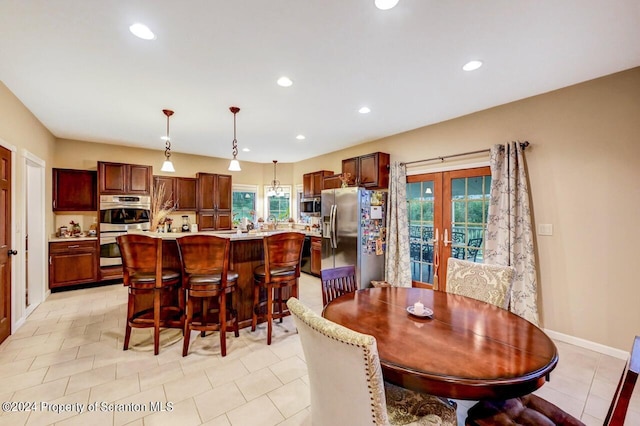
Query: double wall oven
119 214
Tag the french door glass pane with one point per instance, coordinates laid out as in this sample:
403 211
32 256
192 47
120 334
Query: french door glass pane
470 204
420 199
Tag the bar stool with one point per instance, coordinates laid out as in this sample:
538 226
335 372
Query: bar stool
146 278
281 270
206 278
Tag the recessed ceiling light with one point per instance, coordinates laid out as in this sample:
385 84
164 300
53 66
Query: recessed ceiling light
472 65
142 31
385 4
284 81
301 137
246 149
364 110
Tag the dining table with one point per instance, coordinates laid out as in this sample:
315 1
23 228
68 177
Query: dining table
459 347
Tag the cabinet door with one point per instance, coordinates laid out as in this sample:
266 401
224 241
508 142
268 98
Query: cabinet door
223 220
374 170
205 186
112 177
185 193
139 179
72 263
206 221
75 190
317 184
316 255
331 182
307 185
351 166
169 189
223 192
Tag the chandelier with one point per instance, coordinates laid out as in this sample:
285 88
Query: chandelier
234 165
167 166
275 189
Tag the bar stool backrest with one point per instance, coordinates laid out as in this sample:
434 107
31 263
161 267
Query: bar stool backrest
141 254
204 255
282 251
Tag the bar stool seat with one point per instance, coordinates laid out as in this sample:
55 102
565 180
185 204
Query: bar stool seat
280 272
146 279
207 281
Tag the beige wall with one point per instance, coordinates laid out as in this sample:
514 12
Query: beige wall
583 171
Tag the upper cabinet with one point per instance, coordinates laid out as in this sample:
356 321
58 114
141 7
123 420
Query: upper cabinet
312 183
370 171
180 191
213 201
331 182
75 190
119 178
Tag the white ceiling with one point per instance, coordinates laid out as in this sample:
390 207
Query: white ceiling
76 66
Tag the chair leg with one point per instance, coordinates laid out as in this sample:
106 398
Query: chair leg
205 314
156 322
127 330
222 316
234 313
269 313
256 300
187 326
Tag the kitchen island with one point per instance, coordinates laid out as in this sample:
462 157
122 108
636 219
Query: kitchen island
246 253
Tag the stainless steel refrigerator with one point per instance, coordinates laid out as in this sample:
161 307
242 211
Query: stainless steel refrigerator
354 231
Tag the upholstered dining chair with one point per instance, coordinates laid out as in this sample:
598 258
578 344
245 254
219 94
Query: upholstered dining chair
531 409
337 281
279 274
481 281
209 285
146 279
346 383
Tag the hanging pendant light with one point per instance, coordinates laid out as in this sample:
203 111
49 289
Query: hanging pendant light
167 166
275 189
234 165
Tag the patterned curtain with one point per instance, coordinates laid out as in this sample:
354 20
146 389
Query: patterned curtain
397 261
509 234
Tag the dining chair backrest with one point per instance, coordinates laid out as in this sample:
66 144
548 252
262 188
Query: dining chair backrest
204 255
481 281
141 254
337 281
283 251
620 403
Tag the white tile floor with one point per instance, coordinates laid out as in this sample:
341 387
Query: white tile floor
70 352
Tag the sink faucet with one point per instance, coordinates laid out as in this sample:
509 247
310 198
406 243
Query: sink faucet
273 220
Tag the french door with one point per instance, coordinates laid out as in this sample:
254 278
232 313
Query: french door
447 218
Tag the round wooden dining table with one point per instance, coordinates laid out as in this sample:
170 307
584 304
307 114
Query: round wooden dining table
467 349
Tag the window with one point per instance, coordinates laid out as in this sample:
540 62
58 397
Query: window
279 205
244 203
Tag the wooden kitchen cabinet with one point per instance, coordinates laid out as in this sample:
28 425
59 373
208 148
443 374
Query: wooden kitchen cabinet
179 190
120 178
312 183
75 190
370 171
213 201
73 262
316 255
331 182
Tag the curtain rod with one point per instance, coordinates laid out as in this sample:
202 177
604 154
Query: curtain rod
523 145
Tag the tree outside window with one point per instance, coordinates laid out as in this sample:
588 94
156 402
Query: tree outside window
243 206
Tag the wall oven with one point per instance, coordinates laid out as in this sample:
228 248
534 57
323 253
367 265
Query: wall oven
310 206
119 214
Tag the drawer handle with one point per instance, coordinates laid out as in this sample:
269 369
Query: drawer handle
75 246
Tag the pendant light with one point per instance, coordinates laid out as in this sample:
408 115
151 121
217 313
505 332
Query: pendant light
234 165
275 189
167 166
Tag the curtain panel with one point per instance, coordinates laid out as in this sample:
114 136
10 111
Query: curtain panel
397 260
509 237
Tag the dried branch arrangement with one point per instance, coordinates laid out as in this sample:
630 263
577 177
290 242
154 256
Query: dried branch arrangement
160 210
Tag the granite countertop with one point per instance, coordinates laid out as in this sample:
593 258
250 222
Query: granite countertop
54 239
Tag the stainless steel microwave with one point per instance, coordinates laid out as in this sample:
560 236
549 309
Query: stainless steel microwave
310 206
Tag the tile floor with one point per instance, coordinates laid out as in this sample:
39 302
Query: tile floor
69 354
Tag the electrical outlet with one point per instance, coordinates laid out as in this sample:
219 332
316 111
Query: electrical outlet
545 229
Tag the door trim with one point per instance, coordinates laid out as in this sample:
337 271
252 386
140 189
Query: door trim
13 231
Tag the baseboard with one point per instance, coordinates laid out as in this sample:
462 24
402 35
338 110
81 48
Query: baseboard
587 344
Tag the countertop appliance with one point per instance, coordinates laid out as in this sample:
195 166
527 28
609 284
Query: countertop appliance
354 231
310 206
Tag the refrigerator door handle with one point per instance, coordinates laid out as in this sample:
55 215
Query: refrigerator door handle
334 236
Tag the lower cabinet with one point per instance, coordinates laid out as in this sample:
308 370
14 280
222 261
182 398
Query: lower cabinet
73 263
316 255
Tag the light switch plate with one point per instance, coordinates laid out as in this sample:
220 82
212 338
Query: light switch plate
545 229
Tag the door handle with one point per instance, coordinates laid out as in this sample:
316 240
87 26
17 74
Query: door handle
12 252
446 240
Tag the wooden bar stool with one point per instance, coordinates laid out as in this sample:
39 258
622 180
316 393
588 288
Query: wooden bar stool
146 278
280 271
207 281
